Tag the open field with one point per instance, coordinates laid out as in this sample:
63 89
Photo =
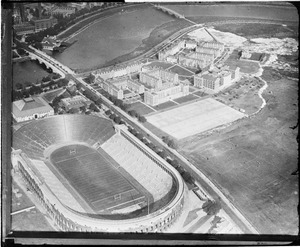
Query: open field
181 71
19 199
243 95
33 220
94 176
141 108
200 93
245 66
252 161
194 118
252 30
164 106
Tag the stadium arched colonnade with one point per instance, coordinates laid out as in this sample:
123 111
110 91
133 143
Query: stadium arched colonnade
68 219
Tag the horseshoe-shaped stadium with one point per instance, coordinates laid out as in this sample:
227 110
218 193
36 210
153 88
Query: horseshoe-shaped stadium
93 176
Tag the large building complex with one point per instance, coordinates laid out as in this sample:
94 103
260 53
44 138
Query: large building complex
162 86
117 86
123 185
117 71
215 80
31 108
200 54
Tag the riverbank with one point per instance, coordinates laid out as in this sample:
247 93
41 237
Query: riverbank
158 35
167 29
85 23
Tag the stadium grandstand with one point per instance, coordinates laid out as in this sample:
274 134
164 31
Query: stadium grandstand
91 175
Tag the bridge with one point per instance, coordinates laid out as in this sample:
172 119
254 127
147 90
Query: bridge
172 12
49 62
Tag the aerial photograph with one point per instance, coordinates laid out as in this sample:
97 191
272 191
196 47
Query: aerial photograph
155 117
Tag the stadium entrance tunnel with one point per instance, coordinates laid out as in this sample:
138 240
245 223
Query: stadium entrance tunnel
92 175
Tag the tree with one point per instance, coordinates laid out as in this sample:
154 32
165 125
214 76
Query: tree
112 116
108 112
117 120
142 119
171 143
140 136
175 163
99 102
19 86
163 154
211 207
134 132
82 108
132 113
90 79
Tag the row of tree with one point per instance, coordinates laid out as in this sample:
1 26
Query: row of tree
117 119
29 89
169 141
125 107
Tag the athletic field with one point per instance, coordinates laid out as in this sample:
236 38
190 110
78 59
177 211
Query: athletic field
194 118
96 177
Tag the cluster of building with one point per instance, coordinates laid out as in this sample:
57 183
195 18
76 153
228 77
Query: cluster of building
26 23
117 71
75 102
157 85
162 86
50 42
117 86
196 55
216 79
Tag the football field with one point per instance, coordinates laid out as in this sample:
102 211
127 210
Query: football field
95 176
194 118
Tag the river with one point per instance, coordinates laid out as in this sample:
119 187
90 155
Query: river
122 33
112 37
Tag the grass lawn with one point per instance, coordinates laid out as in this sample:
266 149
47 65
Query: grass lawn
164 106
245 66
201 94
141 108
19 199
162 65
243 96
49 96
158 132
252 161
186 98
33 220
181 71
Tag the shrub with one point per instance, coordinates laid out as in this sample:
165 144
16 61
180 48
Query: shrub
142 119
108 112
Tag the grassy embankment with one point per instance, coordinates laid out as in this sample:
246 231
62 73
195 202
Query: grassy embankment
158 35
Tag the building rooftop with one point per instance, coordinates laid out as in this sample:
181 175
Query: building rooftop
29 106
